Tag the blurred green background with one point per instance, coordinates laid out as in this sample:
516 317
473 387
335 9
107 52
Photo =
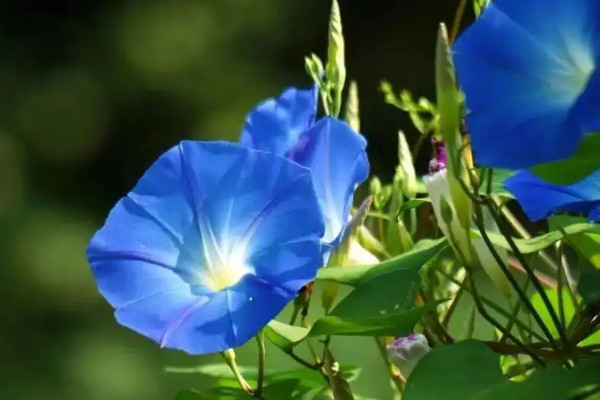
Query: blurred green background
91 92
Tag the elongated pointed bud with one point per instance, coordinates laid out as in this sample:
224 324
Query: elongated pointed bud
336 64
405 169
406 352
449 114
341 256
314 68
438 188
352 107
368 241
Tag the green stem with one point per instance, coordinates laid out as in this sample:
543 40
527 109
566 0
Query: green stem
301 361
295 313
498 325
452 308
509 276
418 145
229 356
260 339
531 274
564 265
520 229
560 283
460 11
489 303
514 316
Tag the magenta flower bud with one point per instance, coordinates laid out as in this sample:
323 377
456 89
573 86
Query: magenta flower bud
439 160
405 352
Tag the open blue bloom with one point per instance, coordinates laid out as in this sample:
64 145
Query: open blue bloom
333 151
528 70
213 241
540 199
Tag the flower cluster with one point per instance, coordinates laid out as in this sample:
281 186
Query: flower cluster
216 238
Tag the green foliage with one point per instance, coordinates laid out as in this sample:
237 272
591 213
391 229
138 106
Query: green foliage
535 244
584 162
587 243
461 371
423 113
569 309
396 324
496 186
469 370
413 260
300 384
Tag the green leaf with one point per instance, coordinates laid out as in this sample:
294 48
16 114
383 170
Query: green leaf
214 370
413 260
497 187
460 371
285 336
568 307
589 285
551 383
586 243
383 294
584 162
300 384
410 204
398 324
535 244
216 393
469 370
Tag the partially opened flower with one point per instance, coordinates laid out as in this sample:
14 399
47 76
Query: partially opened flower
211 244
333 151
540 199
530 77
406 352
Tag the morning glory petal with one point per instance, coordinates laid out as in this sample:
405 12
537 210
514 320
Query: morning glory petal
336 156
540 199
276 124
231 316
209 230
531 101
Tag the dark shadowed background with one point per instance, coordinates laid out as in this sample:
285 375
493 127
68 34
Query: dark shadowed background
91 92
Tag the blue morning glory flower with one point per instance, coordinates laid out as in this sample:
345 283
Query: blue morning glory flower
528 70
333 151
213 241
540 199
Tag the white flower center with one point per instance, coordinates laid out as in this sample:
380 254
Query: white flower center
221 274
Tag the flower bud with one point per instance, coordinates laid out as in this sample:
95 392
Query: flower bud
405 171
441 199
406 352
358 255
